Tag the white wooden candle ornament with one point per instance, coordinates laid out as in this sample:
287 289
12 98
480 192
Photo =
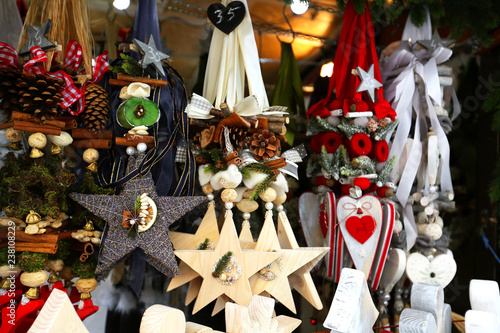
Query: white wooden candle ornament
485 302
416 321
360 221
352 309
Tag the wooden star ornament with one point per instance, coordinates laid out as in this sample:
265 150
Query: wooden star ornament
153 237
274 278
203 263
36 37
208 230
300 280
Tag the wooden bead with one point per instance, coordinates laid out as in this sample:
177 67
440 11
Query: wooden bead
62 140
279 200
268 195
86 285
247 194
13 135
66 273
56 265
207 189
228 195
247 205
37 140
433 230
34 279
90 155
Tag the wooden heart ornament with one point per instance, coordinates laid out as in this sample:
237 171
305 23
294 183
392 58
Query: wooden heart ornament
360 222
226 18
361 228
439 272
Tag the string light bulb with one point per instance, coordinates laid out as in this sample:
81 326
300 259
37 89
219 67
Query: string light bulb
327 69
121 4
299 7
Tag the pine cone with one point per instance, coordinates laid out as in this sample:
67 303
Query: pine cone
95 114
383 122
40 95
265 145
9 99
372 125
238 137
67 69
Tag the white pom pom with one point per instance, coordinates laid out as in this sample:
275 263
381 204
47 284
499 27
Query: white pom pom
334 120
254 179
361 121
203 176
280 185
142 147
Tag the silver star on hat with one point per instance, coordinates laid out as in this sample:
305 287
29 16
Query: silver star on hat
151 55
368 82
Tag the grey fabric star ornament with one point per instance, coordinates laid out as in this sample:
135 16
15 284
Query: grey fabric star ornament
151 55
434 43
118 245
368 82
36 37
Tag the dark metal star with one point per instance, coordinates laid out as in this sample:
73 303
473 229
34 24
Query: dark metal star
36 37
368 82
155 242
151 55
436 41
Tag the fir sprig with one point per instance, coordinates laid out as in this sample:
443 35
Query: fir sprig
325 125
381 133
344 156
350 130
312 168
386 171
259 168
222 264
204 245
326 163
364 162
130 66
263 186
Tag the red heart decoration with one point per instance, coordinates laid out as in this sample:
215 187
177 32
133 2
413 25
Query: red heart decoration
361 229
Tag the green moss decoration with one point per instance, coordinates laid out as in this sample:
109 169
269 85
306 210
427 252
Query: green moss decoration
63 251
84 270
38 185
32 262
4 256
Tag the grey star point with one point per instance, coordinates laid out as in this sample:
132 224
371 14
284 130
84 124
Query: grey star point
434 43
151 55
368 82
36 37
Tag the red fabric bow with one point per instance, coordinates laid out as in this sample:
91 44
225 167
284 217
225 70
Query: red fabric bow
8 55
